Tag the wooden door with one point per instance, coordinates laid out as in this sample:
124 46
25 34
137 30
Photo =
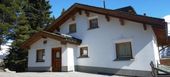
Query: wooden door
56 59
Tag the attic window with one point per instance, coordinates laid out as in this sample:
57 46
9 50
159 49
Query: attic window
93 23
72 28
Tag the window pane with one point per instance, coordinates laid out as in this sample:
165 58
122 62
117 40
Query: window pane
57 54
83 51
124 50
40 55
93 23
72 28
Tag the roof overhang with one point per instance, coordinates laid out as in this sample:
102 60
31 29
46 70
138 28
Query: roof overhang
43 34
157 22
161 35
159 25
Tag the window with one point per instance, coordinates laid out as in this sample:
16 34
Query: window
124 51
93 23
72 28
40 55
84 52
58 55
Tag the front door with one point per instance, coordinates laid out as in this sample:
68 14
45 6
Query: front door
56 59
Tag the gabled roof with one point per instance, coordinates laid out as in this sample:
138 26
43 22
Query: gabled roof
127 9
119 13
63 38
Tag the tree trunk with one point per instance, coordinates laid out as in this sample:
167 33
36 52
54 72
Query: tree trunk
0 47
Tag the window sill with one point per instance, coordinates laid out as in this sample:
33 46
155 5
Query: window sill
71 32
40 61
92 28
132 59
83 57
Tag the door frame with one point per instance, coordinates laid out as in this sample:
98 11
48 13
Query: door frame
57 48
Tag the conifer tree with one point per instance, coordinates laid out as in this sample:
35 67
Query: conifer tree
32 16
21 30
7 18
38 13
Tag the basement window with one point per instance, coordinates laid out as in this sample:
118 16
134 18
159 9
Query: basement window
40 55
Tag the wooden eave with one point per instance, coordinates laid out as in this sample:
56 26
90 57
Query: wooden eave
162 37
156 22
44 34
159 25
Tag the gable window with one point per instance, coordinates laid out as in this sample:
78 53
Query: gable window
40 55
72 28
124 51
84 52
93 23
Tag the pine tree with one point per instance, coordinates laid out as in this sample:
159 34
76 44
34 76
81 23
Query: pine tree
32 16
16 60
7 18
38 13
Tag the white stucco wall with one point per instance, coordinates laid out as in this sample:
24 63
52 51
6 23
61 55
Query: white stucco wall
101 42
51 43
71 49
67 54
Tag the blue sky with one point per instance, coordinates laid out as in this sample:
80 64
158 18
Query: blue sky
154 8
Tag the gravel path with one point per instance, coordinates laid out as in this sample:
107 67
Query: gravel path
52 74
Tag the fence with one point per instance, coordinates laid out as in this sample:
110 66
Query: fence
165 61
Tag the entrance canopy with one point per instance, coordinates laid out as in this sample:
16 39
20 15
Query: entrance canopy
63 38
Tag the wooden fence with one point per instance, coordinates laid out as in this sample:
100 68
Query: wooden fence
165 61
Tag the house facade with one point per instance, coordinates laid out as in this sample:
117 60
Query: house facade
98 40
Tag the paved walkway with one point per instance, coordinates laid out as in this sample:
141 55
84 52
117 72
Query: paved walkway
52 74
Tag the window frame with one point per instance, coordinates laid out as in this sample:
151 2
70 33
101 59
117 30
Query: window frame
90 24
70 25
117 51
43 54
81 52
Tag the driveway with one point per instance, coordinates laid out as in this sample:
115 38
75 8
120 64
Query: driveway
52 74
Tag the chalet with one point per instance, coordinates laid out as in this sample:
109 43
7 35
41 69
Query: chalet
98 40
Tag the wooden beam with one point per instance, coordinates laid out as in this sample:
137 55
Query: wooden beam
43 36
122 22
63 42
144 26
80 12
73 18
107 18
28 47
87 13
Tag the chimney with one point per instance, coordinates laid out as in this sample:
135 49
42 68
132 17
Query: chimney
63 10
144 14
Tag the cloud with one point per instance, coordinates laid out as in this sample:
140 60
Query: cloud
167 19
5 49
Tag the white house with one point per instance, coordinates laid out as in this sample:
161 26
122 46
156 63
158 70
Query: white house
98 40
